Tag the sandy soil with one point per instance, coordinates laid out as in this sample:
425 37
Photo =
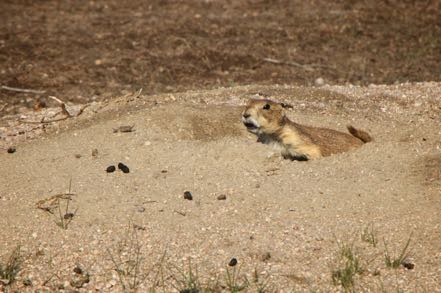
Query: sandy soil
283 221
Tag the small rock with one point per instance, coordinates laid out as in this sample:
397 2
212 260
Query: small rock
77 156
27 282
110 169
78 270
266 256
95 153
124 128
62 286
188 195
123 168
68 216
12 150
222 197
141 209
163 171
408 264
138 227
319 81
80 280
232 262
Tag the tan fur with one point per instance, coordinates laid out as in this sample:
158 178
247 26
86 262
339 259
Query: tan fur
267 120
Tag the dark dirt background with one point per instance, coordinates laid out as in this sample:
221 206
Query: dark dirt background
86 50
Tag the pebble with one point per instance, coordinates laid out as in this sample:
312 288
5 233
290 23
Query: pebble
77 156
319 81
27 282
222 197
12 150
408 264
95 153
124 128
78 270
68 216
79 281
266 256
188 195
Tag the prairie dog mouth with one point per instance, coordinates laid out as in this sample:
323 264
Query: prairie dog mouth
250 124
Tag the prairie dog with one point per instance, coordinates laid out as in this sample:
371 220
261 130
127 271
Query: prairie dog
267 120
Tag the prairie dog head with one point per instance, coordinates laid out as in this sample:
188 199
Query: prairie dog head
263 116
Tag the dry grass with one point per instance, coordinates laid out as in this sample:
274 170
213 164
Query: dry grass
10 269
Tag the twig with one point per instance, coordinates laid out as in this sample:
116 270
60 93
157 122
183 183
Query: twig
16 89
62 105
2 107
149 201
42 121
48 279
307 67
179 212
56 99
137 94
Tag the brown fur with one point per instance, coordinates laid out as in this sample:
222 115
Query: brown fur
267 120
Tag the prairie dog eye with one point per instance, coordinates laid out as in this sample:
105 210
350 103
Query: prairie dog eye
267 107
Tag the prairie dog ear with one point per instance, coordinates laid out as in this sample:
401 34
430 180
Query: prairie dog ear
286 106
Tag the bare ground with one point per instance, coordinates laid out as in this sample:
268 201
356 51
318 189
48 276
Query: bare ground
92 50
286 221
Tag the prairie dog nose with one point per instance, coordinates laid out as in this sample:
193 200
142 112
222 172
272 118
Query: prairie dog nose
246 115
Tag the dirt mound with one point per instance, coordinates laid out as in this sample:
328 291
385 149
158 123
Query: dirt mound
339 222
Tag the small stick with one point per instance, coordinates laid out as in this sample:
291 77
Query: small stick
43 122
137 94
2 107
62 105
179 212
295 64
56 99
307 67
56 120
16 89
149 201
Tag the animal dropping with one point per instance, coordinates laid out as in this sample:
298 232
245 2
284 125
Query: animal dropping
267 120
233 262
110 169
123 168
188 195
